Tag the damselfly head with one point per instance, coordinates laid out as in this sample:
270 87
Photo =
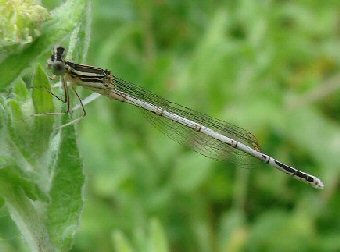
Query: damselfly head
57 60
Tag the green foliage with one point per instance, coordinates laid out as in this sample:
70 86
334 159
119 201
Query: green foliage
42 103
154 240
268 66
41 177
41 173
66 194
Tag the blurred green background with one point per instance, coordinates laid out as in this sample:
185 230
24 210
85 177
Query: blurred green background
271 67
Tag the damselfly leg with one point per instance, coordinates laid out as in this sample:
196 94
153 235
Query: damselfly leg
66 100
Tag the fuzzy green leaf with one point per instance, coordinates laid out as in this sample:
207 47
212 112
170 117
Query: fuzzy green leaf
11 177
23 212
43 103
66 192
20 90
18 128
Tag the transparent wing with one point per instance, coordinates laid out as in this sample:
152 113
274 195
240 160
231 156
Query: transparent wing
206 145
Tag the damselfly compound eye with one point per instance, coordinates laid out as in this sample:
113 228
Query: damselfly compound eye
58 68
60 52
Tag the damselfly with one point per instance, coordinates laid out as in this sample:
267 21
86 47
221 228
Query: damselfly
209 136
